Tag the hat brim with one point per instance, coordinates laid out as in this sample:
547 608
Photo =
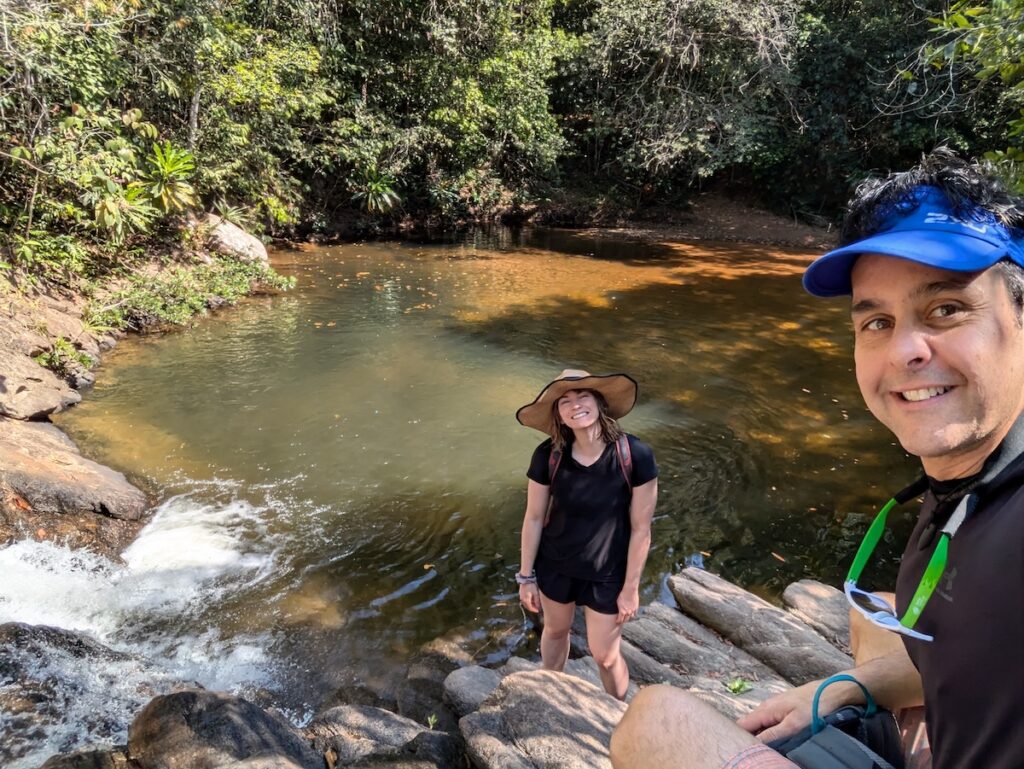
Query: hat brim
619 390
829 275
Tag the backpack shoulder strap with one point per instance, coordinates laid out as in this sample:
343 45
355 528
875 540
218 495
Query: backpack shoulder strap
625 459
554 460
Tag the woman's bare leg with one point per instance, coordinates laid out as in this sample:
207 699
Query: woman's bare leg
554 639
604 637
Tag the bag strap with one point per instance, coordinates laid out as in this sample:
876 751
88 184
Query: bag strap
625 459
554 460
817 722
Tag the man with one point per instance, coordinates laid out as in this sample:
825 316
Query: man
932 259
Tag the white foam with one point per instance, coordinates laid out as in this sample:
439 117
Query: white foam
192 556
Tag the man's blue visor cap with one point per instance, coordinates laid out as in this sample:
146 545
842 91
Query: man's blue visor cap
926 231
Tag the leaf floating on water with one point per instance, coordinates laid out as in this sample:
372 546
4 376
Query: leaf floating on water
362 274
428 566
778 557
332 324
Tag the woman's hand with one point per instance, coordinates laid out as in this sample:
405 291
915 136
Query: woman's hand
628 603
529 596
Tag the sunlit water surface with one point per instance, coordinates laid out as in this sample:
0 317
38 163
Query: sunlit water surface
341 477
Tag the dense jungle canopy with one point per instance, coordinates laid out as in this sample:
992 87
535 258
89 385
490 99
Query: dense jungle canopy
298 116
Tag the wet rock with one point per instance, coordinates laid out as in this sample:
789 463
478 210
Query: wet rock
61 690
770 634
542 719
43 465
29 391
823 607
231 240
207 730
358 735
89 759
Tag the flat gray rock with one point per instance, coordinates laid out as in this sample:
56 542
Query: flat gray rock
466 688
542 719
823 607
775 637
361 735
29 391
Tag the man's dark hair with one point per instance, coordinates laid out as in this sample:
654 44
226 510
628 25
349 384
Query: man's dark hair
967 185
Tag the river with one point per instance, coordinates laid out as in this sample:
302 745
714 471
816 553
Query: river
341 478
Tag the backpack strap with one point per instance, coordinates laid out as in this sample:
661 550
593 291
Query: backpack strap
625 459
554 460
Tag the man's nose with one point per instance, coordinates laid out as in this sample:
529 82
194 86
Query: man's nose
910 346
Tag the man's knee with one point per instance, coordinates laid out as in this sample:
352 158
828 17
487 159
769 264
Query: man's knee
643 725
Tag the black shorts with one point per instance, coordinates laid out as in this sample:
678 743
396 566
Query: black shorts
602 597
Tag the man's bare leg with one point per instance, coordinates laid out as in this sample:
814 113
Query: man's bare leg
667 728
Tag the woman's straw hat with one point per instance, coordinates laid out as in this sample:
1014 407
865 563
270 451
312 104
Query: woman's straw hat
618 389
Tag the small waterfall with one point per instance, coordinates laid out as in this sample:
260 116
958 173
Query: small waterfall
152 613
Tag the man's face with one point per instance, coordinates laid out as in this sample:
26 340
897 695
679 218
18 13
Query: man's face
940 359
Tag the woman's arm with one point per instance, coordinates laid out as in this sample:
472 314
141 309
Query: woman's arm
537 496
641 511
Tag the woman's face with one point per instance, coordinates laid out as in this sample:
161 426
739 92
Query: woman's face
578 409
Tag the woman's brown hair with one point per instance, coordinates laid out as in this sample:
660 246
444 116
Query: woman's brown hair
561 434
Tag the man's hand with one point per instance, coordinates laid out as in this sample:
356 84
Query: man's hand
529 596
782 715
628 603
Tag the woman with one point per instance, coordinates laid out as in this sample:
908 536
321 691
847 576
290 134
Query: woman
587 530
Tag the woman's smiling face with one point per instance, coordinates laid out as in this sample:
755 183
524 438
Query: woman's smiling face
578 409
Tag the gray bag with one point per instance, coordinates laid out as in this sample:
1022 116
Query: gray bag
831 748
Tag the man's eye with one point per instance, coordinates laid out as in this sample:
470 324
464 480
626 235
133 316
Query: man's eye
945 311
876 324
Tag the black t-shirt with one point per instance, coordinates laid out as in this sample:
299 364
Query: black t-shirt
588 534
973 672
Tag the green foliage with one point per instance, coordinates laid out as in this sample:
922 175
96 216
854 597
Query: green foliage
175 295
739 686
64 358
987 38
164 180
376 193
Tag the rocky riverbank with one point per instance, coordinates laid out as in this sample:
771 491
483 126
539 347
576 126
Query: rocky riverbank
48 490
720 642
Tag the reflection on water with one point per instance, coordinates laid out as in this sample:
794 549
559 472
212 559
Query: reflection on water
368 417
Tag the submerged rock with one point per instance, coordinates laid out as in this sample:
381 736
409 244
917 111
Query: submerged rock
207 730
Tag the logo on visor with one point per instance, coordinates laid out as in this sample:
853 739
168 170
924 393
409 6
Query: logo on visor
934 217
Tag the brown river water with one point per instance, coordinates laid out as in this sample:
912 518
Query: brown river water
341 477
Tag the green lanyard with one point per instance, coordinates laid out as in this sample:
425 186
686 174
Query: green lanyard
936 564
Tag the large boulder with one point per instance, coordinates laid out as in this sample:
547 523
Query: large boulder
766 632
231 240
199 729
48 490
358 735
542 719
29 391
